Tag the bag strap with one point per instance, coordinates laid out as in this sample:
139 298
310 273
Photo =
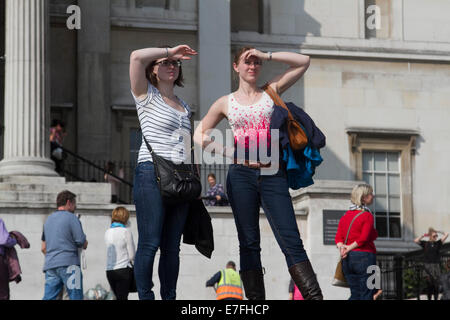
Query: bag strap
353 220
277 99
150 149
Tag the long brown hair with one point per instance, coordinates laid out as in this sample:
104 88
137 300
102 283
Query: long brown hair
154 80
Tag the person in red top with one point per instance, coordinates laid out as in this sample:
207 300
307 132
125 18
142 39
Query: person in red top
358 252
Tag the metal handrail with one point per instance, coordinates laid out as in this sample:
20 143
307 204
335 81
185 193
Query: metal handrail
417 253
398 264
73 154
72 175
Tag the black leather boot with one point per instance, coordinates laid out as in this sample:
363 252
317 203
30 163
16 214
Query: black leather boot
253 281
304 277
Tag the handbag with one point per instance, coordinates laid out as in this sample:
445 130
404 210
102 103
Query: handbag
177 182
297 137
339 277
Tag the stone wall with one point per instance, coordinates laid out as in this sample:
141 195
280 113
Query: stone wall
398 80
195 269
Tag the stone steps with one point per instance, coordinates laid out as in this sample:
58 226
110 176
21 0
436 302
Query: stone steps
45 189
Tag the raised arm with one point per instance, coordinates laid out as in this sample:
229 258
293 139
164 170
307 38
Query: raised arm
298 64
140 59
419 238
444 236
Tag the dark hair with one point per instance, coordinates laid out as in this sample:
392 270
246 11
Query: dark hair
56 122
212 175
110 166
154 80
231 264
63 197
240 52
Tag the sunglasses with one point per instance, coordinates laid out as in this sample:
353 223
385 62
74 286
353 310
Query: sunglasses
255 63
167 63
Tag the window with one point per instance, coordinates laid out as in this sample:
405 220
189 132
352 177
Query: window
382 171
383 158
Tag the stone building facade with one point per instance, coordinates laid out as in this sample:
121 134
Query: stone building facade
381 96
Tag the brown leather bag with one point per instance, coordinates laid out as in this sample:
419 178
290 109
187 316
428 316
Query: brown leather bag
339 277
297 137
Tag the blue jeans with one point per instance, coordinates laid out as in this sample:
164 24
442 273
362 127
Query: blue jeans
247 190
71 277
159 226
355 267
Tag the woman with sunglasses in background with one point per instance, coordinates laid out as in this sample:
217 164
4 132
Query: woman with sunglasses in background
165 123
432 260
249 111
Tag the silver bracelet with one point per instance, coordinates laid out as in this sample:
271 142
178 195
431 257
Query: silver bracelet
167 52
270 55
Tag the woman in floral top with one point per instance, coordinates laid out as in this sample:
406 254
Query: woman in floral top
249 187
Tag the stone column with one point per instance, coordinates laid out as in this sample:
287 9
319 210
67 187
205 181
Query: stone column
94 81
26 144
214 61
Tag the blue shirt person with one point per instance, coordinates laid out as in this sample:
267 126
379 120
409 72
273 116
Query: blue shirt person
62 238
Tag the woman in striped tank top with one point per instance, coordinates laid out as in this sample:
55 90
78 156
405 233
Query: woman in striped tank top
165 123
249 111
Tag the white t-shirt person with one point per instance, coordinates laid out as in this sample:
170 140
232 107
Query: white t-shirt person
119 247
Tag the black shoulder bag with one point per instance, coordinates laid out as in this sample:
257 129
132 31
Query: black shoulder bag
177 182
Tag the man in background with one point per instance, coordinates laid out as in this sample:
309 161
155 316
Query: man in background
62 237
229 284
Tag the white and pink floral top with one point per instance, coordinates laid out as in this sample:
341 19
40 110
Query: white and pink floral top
250 124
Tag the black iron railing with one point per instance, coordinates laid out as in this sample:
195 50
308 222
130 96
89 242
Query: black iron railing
78 168
219 170
403 276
